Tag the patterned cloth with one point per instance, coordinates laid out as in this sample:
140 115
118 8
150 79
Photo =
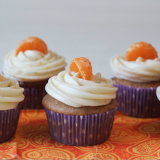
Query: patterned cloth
131 138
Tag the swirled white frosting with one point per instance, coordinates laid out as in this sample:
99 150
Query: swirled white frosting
158 93
140 70
68 88
10 93
33 65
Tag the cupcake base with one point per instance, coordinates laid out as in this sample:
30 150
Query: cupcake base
86 130
83 126
8 123
137 101
34 93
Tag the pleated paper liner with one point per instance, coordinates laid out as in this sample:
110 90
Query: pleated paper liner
137 102
33 98
76 130
8 123
34 93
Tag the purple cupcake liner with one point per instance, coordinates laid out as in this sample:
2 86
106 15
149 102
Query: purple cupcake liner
8 123
137 102
76 130
33 98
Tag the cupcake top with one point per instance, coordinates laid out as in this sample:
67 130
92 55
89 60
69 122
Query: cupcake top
32 61
141 64
78 87
10 93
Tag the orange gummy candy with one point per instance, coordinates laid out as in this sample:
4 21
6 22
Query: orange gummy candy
141 49
32 43
83 66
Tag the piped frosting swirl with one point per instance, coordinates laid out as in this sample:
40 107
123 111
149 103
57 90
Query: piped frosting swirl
68 88
33 65
10 93
136 71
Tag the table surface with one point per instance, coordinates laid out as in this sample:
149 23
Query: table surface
131 138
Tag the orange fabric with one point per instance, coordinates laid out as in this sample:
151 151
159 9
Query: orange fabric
131 138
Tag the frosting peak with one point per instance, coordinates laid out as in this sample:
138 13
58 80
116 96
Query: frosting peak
68 88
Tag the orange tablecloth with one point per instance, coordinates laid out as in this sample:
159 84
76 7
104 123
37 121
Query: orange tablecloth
131 138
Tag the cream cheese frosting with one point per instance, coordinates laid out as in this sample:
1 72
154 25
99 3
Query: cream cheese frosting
10 93
158 93
33 65
140 70
68 88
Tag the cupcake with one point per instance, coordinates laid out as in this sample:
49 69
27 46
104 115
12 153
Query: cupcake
32 64
10 97
137 76
80 107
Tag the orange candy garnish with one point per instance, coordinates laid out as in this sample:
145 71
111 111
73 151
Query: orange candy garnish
141 49
83 66
32 43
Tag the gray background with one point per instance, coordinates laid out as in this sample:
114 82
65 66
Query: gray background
97 29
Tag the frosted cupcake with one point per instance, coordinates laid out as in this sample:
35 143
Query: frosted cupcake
10 97
32 64
80 107
137 75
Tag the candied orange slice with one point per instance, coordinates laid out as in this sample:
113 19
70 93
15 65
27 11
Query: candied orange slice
32 43
0 78
141 49
83 66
